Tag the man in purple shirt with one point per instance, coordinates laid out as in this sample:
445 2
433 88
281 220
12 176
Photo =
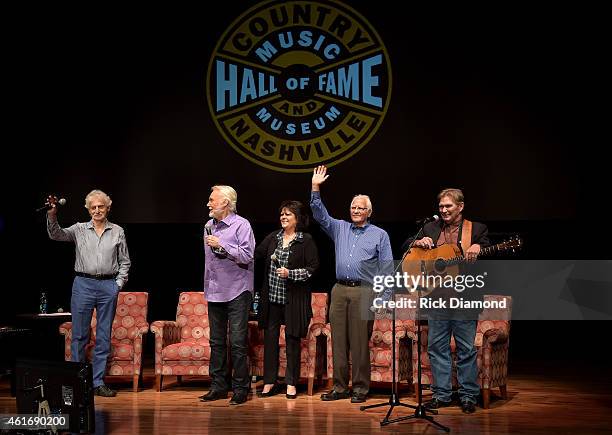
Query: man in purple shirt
229 246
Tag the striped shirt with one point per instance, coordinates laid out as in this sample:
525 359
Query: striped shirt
361 252
278 286
105 255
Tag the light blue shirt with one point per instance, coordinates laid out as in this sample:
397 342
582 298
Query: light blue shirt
361 252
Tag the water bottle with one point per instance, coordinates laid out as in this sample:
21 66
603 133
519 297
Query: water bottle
256 303
43 303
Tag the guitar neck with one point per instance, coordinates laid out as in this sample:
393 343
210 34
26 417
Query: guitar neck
488 250
483 252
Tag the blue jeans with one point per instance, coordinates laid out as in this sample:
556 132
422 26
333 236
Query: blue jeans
88 294
237 312
439 352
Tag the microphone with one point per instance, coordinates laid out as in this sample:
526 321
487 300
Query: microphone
208 230
275 261
423 221
47 205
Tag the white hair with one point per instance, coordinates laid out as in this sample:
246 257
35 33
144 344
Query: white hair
99 193
228 193
367 201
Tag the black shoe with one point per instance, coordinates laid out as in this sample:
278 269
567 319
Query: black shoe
358 398
468 407
238 398
334 395
291 396
435 404
213 395
104 391
276 388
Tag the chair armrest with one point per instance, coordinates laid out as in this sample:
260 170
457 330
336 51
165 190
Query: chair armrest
166 332
65 328
400 333
142 329
316 329
495 336
319 329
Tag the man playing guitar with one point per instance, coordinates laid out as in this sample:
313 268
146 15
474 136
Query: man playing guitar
470 237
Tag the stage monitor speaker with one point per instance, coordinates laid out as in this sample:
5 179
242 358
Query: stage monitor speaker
67 387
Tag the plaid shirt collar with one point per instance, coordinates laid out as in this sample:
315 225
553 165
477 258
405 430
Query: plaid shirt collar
299 236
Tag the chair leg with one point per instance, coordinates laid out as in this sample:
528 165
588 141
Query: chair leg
179 379
135 383
486 397
330 383
416 392
310 386
503 391
158 382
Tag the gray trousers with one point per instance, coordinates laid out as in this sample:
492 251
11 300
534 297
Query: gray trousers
351 327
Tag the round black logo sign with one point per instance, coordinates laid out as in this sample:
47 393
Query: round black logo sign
295 84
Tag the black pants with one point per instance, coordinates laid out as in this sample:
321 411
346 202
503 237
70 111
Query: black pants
237 312
276 316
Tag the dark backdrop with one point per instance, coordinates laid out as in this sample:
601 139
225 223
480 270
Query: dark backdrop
500 101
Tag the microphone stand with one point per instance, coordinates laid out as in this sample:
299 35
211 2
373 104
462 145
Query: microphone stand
420 412
393 398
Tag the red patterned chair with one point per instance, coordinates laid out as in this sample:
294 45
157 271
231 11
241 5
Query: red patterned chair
381 351
127 334
492 342
312 347
182 346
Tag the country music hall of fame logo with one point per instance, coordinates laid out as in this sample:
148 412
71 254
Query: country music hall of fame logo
295 84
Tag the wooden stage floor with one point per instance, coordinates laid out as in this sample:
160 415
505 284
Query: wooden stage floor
543 399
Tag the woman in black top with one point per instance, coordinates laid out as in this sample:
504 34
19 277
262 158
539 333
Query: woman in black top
291 259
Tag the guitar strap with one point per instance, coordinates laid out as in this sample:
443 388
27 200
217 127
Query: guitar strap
466 235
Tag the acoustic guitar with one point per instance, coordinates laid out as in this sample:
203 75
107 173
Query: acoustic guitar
445 260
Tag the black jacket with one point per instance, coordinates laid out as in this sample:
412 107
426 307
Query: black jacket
298 309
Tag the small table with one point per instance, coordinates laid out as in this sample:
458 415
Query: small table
46 342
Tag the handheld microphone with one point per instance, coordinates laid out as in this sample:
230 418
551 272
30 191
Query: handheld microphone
48 205
208 230
423 221
275 261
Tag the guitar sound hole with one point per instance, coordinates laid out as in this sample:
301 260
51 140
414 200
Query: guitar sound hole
439 265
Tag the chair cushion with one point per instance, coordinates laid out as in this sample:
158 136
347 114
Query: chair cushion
186 351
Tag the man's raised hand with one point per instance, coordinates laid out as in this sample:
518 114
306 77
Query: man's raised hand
318 177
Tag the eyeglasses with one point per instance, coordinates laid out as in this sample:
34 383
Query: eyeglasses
354 208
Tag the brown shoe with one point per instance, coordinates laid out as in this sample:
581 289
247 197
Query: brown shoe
334 395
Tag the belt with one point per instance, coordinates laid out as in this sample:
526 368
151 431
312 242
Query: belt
349 283
98 276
